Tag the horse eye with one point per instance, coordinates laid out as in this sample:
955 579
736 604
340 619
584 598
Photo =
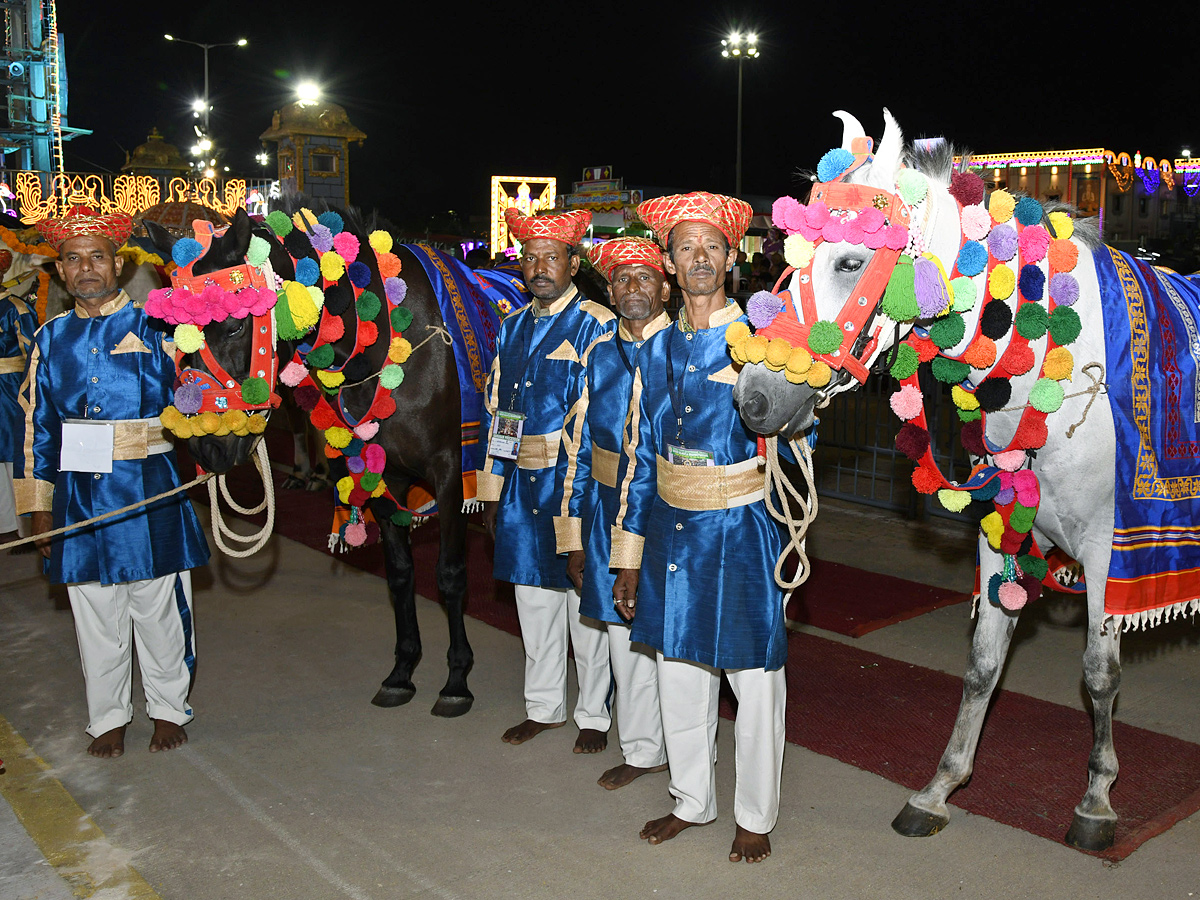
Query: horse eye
849 264
241 326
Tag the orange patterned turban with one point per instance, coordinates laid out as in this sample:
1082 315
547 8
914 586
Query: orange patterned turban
567 227
80 221
728 214
625 251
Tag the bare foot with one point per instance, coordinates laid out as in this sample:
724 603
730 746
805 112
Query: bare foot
109 745
167 736
590 741
658 830
619 776
750 846
519 734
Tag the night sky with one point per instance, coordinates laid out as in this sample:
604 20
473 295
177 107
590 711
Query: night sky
449 97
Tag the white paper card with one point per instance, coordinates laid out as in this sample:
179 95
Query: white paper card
507 428
86 447
685 456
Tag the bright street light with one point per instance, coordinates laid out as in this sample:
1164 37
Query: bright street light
203 104
308 92
740 47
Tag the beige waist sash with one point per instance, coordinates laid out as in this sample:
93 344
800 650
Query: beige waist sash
700 488
134 438
604 466
10 364
538 451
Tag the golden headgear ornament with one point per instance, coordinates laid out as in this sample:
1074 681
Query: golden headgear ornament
80 221
567 227
625 251
729 215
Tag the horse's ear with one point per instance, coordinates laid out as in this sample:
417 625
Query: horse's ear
886 165
241 228
162 238
852 129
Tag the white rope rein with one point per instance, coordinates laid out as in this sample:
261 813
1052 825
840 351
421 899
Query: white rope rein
230 542
778 483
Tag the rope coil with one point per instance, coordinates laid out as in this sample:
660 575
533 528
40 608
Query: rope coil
790 497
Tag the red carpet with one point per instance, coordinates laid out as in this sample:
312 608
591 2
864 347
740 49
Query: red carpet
881 715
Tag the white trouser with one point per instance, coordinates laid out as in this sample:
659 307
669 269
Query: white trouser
635 672
8 502
688 695
548 616
160 613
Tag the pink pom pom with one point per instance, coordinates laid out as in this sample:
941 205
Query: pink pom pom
809 232
263 303
794 218
817 214
896 237
356 535
1009 460
1012 595
367 430
873 240
852 232
293 373
976 223
375 458
346 245
780 210
907 402
1024 480
1033 243
832 231
871 219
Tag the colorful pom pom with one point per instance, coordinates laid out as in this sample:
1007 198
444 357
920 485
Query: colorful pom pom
1064 256
1028 211
1009 460
906 362
360 274
375 458
950 371
293 373
1033 243
1064 325
306 397
780 209
1034 565
1031 321
1012 596
926 481
279 223
307 271
188 399
798 251
320 357
996 319
321 239
1017 359
762 308
367 430
964 292
258 251
1001 282
330 379
825 337
976 223
395 289
833 164
337 436
331 220
391 377
971 437
972 259
400 350
913 186
948 331
907 402
1002 242
981 353
332 266
1058 364
389 265
1046 395
368 334
1064 289
1032 282
188 338
186 251
993 393
735 332
955 501
755 348
380 241
1031 433
255 391
1063 225
992 527
799 361
778 351
967 188
1001 205
818 374
963 398
368 306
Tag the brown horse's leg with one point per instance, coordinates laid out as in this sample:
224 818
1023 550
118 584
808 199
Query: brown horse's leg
398 688
455 698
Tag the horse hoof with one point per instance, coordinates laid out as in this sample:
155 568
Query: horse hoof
1088 833
914 822
451 707
388 697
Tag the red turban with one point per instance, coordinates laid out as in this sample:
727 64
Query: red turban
625 251
728 214
567 227
82 222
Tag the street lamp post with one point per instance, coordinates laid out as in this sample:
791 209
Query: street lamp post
240 42
740 47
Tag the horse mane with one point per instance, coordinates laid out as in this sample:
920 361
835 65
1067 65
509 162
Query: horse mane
938 164
293 201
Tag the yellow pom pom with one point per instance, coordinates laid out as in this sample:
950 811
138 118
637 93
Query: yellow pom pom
819 374
738 352
188 338
183 429
736 333
338 437
256 424
300 304
993 528
798 251
344 487
799 362
379 488
1001 282
794 377
963 399
955 501
207 422
170 417
222 431
303 219
317 295
1064 225
381 242
1059 364
330 379
399 350
234 419
756 348
1001 205
778 351
333 266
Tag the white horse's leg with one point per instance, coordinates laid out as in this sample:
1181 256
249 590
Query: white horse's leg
926 813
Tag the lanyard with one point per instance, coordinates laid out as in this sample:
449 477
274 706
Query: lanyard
529 355
675 390
624 355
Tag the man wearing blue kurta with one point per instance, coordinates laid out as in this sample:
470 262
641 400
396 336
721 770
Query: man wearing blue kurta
592 437
693 521
97 379
18 322
536 377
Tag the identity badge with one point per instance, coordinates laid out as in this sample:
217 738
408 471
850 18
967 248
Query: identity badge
507 428
86 446
686 456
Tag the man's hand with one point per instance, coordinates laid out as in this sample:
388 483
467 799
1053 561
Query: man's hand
575 562
625 593
40 523
489 517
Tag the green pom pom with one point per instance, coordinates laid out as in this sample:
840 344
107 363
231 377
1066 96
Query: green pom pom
970 415
1046 395
964 294
948 331
280 223
368 306
913 186
285 325
1031 321
320 357
906 362
1033 565
258 251
825 337
900 296
950 371
1064 325
401 517
255 391
391 377
369 481
1021 518
401 318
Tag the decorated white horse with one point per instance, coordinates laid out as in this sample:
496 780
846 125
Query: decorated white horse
1073 369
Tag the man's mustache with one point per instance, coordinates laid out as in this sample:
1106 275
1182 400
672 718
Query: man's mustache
702 267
